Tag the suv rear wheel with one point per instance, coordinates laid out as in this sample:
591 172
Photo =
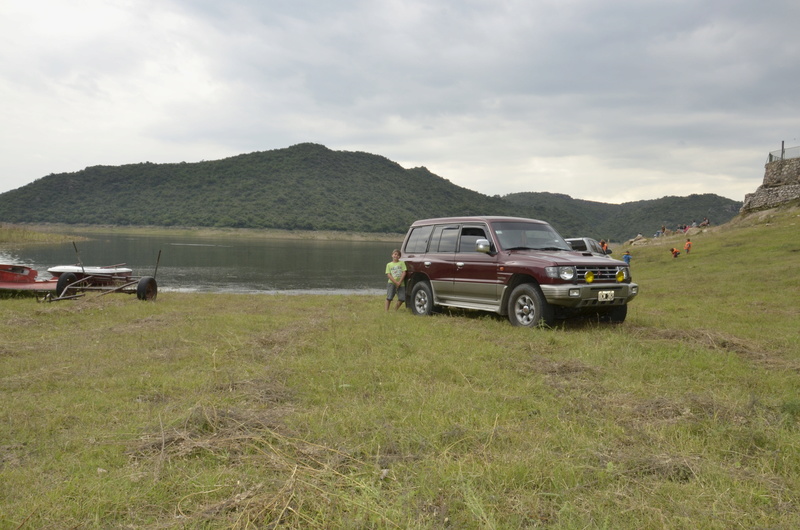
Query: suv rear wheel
528 308
421 299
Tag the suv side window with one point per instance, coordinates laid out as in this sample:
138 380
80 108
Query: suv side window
418 240
444 238
469 235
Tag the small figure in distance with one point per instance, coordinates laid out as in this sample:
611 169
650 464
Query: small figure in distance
396 273
626 257
604 246
675 252
705 222
688 246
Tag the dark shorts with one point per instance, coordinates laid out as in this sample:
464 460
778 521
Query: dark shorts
392 289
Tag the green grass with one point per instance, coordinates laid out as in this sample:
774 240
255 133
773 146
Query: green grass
16 235
226 411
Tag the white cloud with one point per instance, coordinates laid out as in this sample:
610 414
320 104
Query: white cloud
610 101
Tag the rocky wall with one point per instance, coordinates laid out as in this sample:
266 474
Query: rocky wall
781 184
782 173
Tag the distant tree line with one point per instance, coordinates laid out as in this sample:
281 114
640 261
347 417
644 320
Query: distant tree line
310 187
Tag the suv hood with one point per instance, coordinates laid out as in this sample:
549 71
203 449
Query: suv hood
561 257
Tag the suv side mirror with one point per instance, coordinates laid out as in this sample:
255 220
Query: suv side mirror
483 245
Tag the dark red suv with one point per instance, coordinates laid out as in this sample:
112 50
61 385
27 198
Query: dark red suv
511 266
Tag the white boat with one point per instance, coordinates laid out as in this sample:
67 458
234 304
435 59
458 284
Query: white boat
78 270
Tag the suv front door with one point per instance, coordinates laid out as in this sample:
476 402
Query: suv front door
475 281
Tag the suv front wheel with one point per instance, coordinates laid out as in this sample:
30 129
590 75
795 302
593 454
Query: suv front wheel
421 299
527 307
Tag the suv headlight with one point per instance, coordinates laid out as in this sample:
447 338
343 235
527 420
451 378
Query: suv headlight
623 274
565 273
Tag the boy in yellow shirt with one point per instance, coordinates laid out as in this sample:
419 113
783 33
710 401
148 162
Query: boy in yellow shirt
396 272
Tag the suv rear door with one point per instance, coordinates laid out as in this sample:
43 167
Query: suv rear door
439 262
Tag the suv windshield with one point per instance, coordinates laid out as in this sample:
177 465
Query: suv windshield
519 235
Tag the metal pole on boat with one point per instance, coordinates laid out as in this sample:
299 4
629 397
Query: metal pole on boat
158 259
79 258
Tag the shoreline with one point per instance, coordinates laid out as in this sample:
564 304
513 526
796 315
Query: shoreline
210 232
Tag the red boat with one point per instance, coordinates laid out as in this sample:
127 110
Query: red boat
21 278
70 281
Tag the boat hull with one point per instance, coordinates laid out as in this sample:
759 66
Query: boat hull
39 286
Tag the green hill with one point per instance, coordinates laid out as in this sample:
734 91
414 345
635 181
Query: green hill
620 222
310 187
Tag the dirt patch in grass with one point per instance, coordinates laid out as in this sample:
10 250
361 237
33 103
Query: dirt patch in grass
10 455
212 431
630 464
553 367
660 409
293 336
139 324
292 472
8 350
692 407
722 342
262 391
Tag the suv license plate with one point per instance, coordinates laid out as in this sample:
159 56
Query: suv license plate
605 296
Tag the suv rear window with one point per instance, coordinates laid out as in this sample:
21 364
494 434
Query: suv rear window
444 238
418 240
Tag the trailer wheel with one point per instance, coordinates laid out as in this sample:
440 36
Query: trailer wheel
147 288
63 281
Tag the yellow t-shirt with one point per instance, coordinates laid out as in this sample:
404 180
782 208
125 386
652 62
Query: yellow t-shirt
396 269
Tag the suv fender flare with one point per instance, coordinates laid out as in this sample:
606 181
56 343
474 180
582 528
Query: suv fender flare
516 279
414 279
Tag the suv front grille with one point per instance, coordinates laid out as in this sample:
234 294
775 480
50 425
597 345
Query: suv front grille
601 274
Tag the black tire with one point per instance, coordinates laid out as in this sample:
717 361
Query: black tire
63 281
528 308
147 289
616 315
421 299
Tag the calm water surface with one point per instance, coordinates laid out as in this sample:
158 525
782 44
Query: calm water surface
229 265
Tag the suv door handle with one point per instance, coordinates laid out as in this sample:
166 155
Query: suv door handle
460 264
427 263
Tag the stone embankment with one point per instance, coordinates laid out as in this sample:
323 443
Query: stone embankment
781 185
666 239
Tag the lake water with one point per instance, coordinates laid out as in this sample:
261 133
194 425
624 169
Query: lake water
227 265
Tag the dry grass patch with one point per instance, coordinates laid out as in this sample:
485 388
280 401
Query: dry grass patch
293 478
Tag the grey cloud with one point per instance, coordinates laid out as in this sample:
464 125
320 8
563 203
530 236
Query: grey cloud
630 84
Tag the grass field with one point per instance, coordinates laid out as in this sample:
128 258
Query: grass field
11 235
234 411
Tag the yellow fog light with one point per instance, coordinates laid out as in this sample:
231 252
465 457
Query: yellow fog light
589 277
620 275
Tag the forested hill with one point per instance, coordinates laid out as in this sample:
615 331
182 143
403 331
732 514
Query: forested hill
620 222
310 187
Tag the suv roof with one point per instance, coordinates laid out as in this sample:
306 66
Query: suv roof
472 219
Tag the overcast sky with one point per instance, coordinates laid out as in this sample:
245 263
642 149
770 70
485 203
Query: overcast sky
605 100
